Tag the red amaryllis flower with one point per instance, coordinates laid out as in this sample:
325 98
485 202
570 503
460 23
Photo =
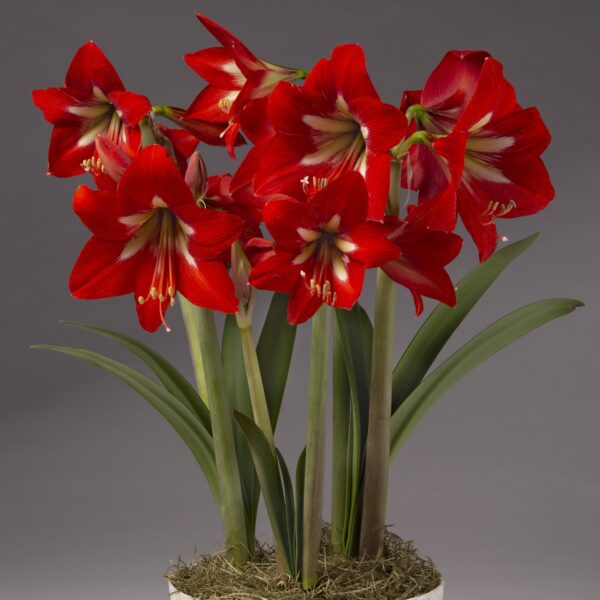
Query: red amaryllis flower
423 255
93 101
332 124
322 247
150 238
503 175
238 84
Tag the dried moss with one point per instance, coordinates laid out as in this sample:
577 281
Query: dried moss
398 573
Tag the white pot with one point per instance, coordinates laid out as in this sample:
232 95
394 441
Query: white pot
436 594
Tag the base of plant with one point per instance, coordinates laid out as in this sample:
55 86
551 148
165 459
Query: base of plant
398 573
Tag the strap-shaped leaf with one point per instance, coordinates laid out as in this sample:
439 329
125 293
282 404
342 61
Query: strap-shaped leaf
239 397
300 474
290 511
492 339
268 473
443 321
356 336
274 351
168 375
185 423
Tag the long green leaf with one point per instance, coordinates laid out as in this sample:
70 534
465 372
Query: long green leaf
492 339
169 376
239 397
290 510
300 476
356 336
443 321
185 423
274 350
269 477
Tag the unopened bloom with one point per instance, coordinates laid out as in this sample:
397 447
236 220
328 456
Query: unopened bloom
322 247
238 85
150 238
332 124
503 175
93 101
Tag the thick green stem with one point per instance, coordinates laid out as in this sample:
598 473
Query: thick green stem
206 344
192 328
315 447
341 433
380 408
375 489
258 399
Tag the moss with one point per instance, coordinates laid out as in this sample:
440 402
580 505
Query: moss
398 573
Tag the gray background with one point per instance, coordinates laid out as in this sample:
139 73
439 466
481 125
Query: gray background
500 482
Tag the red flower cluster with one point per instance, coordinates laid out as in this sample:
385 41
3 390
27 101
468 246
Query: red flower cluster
317 176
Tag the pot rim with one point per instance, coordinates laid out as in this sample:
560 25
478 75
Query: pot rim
435 594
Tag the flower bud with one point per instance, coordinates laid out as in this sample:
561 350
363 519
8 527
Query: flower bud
196 176
240 273
114 159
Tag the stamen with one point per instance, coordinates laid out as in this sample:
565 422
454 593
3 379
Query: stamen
93 165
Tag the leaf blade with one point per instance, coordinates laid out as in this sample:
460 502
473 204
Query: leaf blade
494 338
185 423
168 374
444 320
274 351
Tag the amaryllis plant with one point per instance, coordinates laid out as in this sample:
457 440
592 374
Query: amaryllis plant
314 204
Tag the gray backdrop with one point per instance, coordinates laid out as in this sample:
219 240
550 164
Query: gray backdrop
499 484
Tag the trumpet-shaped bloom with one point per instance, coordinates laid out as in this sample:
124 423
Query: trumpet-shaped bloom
332 124
238 85
322 247
503 175
150 238
93 101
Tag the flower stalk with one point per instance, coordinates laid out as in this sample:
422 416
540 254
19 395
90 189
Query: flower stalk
339 459
315 447
380 405
210 369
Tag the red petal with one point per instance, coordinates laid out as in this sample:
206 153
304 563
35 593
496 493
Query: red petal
255 120
245 59
100 211
373 248
207 284
422 278
214 231
153 174
348 291
377 176
382 125
56 102
151 313
345 74
184 142
283 217
302 305
99 273
130 107
409 98
210 105
276 273
65 155
218 67
482 229
90 68
492 98
345 197
452 82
